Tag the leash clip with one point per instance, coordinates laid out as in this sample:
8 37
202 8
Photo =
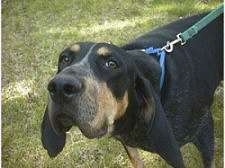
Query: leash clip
169 45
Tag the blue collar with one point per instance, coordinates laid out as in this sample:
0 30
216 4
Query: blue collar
161 55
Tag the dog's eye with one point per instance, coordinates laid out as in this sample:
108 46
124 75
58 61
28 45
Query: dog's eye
66 59
111 64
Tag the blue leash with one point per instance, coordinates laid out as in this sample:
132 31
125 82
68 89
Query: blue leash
161 55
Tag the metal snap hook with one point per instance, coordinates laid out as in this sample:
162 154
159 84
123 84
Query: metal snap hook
169 47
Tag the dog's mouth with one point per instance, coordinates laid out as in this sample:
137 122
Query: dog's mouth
92 133
65 122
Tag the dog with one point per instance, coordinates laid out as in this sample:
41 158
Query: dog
106 89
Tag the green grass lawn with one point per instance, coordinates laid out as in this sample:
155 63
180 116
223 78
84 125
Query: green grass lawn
34 32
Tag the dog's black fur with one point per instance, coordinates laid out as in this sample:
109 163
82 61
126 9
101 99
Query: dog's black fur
159 121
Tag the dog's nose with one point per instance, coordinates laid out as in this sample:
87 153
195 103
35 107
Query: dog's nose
64 87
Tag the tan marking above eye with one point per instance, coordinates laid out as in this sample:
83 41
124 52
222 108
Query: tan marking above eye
103 51
75 48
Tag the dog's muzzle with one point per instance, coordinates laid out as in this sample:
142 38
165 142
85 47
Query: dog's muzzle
74 101
63 89
78 98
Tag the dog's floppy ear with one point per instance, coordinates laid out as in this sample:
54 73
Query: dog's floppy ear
144 97
51 141
160 134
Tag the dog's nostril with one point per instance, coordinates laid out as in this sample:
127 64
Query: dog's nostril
69 89
72 88
52 87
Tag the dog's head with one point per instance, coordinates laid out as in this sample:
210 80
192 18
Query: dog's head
89 90
95 85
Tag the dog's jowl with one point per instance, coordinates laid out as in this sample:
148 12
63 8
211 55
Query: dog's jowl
105 89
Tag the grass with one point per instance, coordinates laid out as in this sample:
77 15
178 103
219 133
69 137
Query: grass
33 34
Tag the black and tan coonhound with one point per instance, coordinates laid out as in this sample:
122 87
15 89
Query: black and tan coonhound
105 89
